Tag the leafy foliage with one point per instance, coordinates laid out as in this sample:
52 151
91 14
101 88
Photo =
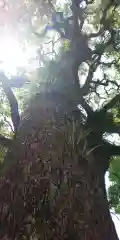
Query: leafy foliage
114 189
94 41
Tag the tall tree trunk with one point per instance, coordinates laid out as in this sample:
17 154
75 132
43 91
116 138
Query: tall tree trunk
51 185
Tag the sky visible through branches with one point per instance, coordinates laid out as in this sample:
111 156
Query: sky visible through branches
14 56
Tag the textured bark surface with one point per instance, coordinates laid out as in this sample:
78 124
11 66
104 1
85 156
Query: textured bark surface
52 188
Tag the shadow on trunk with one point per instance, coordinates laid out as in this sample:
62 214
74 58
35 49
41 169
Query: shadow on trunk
52 183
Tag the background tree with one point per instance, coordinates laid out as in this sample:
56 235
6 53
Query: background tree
52 177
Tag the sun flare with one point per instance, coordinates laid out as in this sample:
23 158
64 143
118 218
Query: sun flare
13 55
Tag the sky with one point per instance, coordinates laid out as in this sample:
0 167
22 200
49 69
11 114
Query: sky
13 55
116 220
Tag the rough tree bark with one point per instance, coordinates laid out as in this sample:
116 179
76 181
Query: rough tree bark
52 183
52 179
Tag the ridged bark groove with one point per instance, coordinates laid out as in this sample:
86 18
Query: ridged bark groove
52 189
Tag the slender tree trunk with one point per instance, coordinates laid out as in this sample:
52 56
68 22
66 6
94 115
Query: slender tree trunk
51 187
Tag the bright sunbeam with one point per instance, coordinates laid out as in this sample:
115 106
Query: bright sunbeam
13 56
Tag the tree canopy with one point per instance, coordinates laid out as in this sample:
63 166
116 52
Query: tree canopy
78 56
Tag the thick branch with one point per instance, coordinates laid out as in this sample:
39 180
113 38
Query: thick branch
85 105
112 103
77 13
112 149
12 101
113 128
5 142
85 88
92 68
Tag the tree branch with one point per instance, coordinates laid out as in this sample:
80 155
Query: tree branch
92 68
5 142
112 149
90 2
86 86
107 64
77 13
85 105
113 128
112 103
109 4
12 101
106 83
93 35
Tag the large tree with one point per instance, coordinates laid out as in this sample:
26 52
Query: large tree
52 178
